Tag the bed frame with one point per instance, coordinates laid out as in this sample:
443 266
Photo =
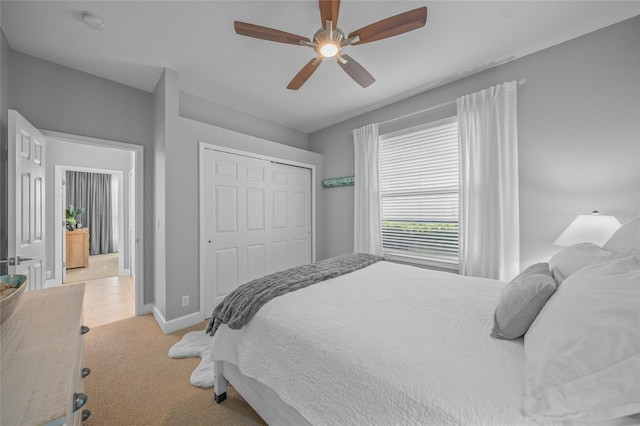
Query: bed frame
263 399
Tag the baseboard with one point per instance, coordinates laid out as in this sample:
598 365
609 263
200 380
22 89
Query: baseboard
51 283
147 309
168 327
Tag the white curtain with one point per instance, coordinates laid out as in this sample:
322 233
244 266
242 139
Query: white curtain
489 212
367 235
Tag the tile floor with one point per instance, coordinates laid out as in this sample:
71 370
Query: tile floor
108 300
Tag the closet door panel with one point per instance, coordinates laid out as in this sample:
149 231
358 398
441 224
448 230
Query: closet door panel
257 221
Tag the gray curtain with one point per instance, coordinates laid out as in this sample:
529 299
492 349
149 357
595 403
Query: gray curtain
93 192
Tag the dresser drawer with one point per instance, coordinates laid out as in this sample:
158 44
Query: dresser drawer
42 358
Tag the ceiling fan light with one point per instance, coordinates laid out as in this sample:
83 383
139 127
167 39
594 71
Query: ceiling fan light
329 50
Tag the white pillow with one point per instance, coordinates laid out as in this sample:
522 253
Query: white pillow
582 353
575 257
626 240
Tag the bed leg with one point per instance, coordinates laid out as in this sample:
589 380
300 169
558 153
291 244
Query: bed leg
219 383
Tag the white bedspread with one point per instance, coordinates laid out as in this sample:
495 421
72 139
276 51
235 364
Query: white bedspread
385 345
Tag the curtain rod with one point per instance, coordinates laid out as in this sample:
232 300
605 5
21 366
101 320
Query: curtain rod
422 111
431 108
411 114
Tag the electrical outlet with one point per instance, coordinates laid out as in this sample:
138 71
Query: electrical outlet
48 274
185 301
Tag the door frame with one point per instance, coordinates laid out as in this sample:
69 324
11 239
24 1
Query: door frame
138 150
202 146
131 229
59 175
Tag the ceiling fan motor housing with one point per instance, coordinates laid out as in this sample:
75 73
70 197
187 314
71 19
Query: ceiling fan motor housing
328 36
330 40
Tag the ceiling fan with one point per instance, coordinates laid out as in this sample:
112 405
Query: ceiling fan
329 40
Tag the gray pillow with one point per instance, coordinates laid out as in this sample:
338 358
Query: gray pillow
521 300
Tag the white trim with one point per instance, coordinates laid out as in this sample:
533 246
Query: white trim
51 283
204 145
147 309
138 150
175 324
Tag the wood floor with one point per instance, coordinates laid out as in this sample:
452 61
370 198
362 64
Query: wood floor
100 266
106 299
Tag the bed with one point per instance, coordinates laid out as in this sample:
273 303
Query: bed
392 344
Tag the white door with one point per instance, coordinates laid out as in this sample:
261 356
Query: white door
290 233
27 208
258 221
236 202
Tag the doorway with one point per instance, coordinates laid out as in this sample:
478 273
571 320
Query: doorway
94 248
122 162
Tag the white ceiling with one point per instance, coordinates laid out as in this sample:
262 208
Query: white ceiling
197 39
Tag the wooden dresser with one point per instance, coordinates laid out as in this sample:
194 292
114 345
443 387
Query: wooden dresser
78 248
43 358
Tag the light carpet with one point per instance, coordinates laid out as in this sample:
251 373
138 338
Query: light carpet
134 383
196 344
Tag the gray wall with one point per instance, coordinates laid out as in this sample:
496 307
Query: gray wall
205 111
58 98
161 116
54 97
176 150
182 199
579 139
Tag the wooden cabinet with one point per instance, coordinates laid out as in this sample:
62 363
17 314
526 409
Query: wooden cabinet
78 248
42 359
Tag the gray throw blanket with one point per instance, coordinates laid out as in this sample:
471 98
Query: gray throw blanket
239 306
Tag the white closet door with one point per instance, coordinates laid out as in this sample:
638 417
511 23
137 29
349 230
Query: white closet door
290 236
235 202
257 221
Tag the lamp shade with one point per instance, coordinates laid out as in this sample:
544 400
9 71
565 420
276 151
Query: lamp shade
587 228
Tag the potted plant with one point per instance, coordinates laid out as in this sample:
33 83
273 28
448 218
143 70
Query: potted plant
72 215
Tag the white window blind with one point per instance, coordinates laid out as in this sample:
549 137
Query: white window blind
419 178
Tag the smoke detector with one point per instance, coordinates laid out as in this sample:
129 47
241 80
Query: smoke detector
94 21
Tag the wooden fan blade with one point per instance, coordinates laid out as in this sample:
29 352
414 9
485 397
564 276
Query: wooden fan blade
357 71
392 26
266 33
304 74
329 10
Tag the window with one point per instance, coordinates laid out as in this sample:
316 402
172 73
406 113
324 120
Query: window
419 179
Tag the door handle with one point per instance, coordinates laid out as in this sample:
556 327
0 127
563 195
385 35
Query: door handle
14 261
